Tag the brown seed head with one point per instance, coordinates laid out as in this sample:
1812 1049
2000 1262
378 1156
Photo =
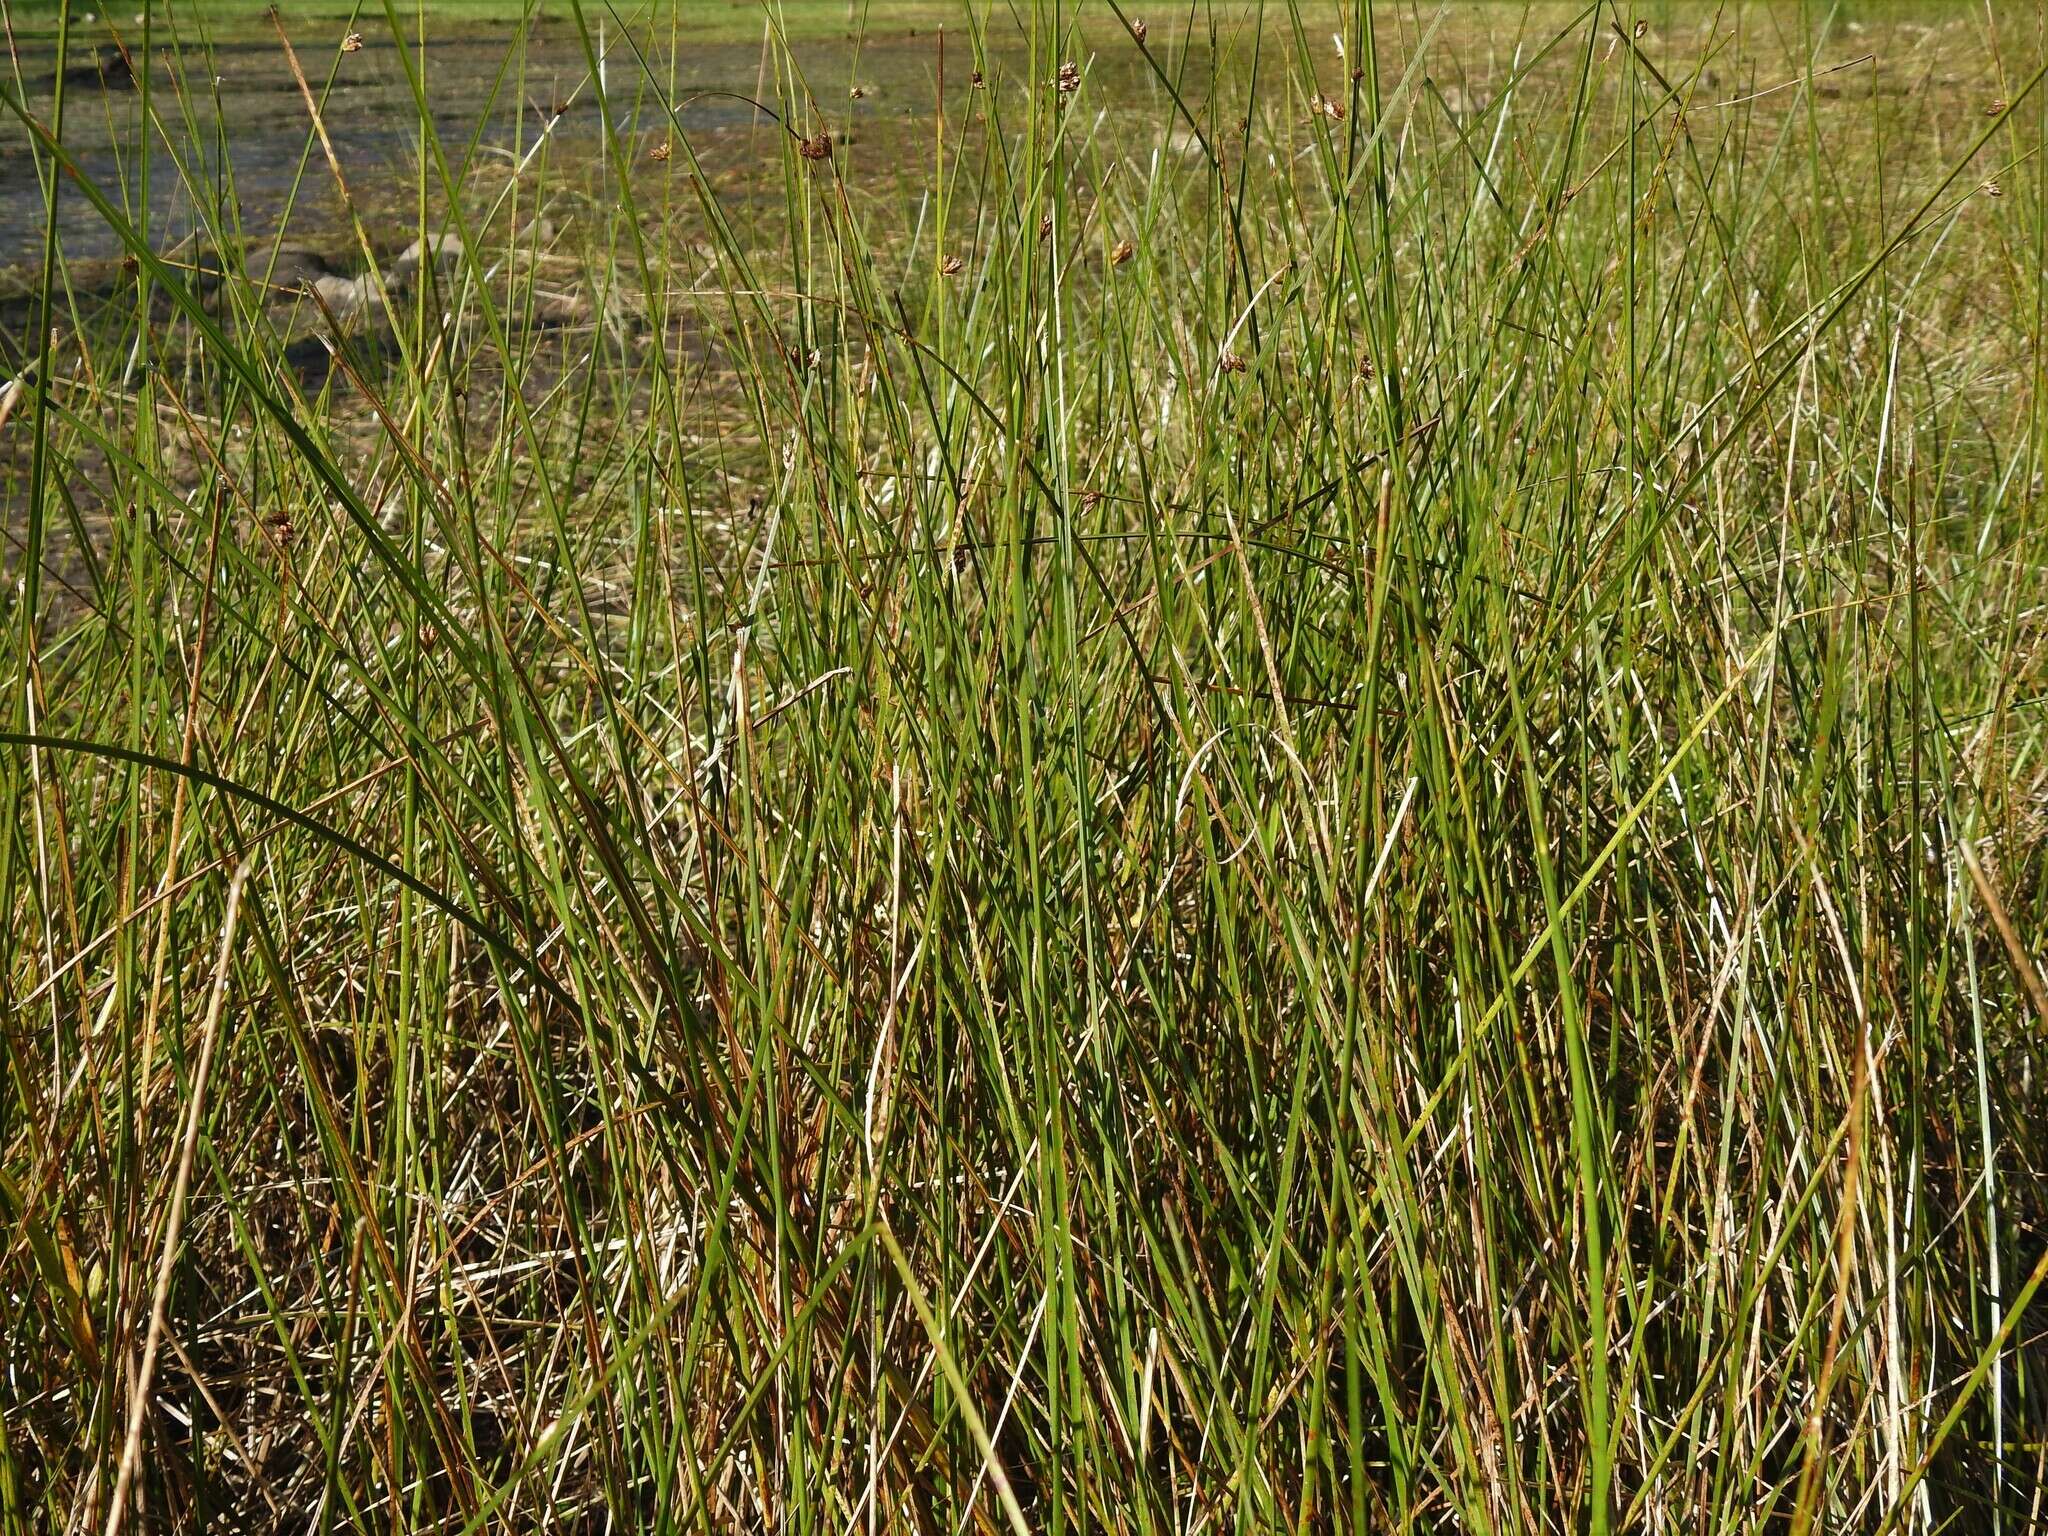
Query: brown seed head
819 148
1124 252
952 266
976 80
1995 108
1138 28
1069 78
1642 29
1230 362
353 43
659 152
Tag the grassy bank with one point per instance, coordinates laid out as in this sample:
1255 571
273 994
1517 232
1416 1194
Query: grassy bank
1247 774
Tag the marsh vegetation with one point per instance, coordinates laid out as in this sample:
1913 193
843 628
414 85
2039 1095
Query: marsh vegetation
914 768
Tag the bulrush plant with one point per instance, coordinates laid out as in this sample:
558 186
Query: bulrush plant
778 850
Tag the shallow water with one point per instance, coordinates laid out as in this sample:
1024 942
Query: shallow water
243 145
235 136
